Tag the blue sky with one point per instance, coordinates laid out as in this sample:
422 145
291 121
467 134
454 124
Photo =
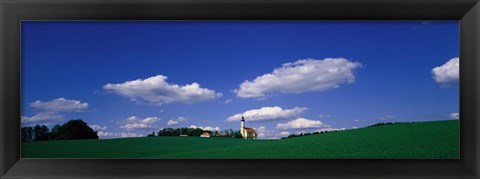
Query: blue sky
132 78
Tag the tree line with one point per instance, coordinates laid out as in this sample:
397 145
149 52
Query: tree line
195 132
322 132
307 134
387 123
73 129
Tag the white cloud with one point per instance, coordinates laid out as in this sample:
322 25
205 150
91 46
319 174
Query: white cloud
103 134
60 105
301 123
293 127
264 133
172 122
301 76
284 133
129 134
96 127
157 90
386 117
176 121
447 73
50 111
455 115
42 117
228 101
267 113
133 123
207 128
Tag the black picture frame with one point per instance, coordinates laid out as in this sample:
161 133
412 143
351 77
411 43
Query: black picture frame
13 11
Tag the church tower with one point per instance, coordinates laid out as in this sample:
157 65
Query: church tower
242 126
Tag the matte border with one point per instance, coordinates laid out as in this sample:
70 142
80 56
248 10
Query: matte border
13 11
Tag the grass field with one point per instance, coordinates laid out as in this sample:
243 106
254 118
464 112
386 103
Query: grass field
437 139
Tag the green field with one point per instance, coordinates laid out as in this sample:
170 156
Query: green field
437 139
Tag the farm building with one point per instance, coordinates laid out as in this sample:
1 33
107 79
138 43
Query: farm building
205 134
247 133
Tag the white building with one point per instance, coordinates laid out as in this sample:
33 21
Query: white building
205 134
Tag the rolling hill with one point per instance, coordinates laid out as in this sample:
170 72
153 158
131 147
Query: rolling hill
436 139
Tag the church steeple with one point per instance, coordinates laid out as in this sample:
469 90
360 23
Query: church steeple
242 124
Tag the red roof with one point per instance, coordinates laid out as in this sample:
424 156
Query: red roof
206 133
251 130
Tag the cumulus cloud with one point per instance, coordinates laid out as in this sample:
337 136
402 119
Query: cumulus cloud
176 121
157 90
103 134
130 134
134 123
284 133
60 105
96 127
301 123
266 114
51 111
447 73
207 128
455 115
301 76
172 122
264 133
42 117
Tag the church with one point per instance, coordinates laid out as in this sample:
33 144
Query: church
247 133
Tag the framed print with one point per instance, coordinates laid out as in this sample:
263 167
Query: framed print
209 88
349 103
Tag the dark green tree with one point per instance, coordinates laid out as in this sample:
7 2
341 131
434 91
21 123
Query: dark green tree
75 129
237 134
55 132
152 134
27 134
40 133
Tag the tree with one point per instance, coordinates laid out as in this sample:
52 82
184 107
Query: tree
75 129
40 133
152 134
179 131
196 132
237 134
55 132
27 134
